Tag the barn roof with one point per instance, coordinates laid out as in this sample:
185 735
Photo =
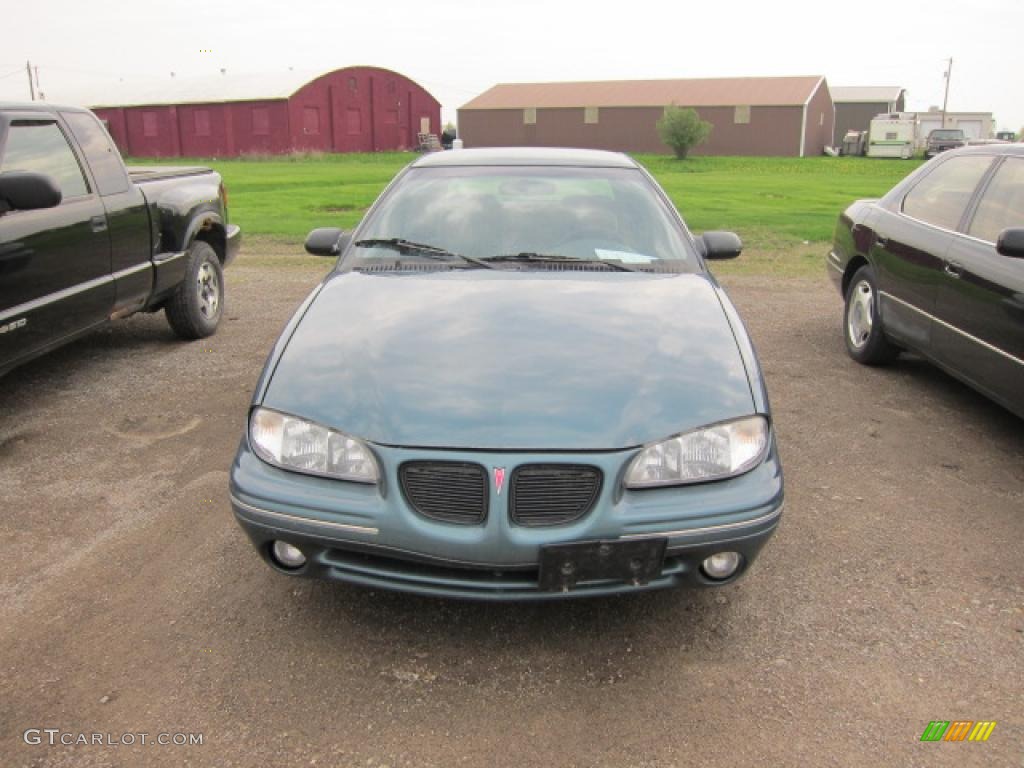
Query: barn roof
197 90
709 92
204 89
858 94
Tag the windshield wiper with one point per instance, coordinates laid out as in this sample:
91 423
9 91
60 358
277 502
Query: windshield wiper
555 258
420 249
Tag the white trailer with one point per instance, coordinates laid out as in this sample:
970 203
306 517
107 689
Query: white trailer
893 135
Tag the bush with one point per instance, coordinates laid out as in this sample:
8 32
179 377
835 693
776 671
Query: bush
682 129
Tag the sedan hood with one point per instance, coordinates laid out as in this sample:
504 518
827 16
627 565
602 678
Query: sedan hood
513 360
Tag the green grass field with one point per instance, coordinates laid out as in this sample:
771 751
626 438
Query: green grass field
784 208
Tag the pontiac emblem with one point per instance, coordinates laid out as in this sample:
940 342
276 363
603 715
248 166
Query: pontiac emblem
499 479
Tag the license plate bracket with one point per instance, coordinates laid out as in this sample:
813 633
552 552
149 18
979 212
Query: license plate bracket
635 561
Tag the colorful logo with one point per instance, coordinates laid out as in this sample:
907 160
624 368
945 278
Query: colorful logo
958 730
499 478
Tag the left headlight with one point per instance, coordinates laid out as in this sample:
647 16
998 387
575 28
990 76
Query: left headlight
711 453
293 443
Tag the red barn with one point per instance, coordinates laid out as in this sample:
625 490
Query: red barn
355 109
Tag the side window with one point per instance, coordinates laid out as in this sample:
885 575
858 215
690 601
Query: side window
201 119
1002 204
260 121
354 121
41 147
941 197
104 159
311 120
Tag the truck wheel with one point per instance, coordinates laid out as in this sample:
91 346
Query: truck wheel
865 339
195 308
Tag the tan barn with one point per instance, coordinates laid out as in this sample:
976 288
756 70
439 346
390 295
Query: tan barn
791 116
857 106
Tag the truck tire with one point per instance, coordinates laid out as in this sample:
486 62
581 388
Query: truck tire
195 308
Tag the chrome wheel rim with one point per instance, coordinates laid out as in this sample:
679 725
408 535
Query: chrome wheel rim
860 314
209 290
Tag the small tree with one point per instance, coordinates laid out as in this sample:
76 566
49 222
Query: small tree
682 129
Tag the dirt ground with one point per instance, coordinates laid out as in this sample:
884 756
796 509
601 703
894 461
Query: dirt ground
132 603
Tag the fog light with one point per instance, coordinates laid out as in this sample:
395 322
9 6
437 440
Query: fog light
721 565
287 556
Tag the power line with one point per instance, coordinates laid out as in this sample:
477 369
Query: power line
12 73
78 71
435 84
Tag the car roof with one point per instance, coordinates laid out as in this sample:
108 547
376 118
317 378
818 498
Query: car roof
988 149
37 106
584 158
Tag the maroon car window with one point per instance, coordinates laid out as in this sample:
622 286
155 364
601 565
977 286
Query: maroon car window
41 147
942 196
1002 204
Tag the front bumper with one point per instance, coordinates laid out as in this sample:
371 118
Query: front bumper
836 270
232 243
934 149
369 535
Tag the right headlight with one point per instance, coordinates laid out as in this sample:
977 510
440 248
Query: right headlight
710 453
304 446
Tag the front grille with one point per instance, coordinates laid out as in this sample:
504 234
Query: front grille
553 494
451 491
399 571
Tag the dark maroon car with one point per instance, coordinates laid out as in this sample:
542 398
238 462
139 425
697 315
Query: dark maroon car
937 266
943 140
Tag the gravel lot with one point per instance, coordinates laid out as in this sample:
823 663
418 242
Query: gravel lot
131 602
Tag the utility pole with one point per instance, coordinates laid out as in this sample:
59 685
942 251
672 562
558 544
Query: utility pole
31 87
39 88
945 99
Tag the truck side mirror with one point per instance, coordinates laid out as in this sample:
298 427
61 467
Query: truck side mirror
721 245
327 241
1011 242
28 191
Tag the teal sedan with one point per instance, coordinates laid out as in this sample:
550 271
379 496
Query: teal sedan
520 381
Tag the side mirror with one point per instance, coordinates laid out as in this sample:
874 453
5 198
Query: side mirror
721 245
27 191
1011 242
327 241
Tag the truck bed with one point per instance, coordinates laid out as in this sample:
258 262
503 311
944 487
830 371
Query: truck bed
140 174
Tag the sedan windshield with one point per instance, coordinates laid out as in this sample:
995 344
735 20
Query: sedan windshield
527 217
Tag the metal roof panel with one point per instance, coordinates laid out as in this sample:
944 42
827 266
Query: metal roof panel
709 92
848 94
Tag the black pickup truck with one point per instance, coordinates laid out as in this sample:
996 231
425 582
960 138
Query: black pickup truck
84 240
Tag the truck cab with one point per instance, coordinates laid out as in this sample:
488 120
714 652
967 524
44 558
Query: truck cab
83 241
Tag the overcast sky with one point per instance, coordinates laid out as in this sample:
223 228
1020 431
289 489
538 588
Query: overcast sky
459 49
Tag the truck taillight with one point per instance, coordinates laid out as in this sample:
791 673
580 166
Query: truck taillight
224 194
